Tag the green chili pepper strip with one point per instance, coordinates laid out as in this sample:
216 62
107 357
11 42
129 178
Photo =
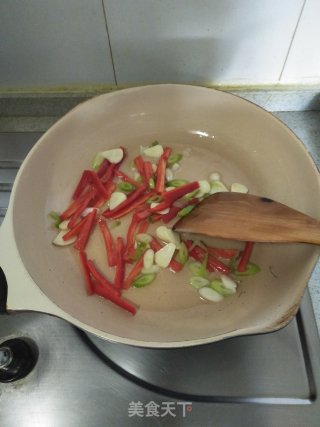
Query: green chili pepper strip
143 280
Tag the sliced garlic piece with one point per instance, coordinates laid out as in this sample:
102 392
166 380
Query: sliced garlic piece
164 255
116 198
156 151
58 240
167 235
217 187
114 155
148 259
64 225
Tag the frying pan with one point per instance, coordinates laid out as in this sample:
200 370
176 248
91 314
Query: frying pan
216 131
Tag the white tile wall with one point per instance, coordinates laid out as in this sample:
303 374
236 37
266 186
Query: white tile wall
303 63
206 41
50 43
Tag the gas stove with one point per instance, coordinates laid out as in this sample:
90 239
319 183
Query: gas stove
77 379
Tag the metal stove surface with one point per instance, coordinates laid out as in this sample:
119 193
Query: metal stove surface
80 380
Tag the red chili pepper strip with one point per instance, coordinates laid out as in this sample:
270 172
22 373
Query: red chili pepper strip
213 264
76 203
216 265
161 175
177 193
78 212
155 218
85 231
86 272
115 213
166 153
148 171
108 176
120 268
75 230
102 279
171 214
245 256
98 184
228 253
109 244
128 202
143 226
84 181
126 178
161 206
126 305
103 168
135 271
139 164
131 231
142 215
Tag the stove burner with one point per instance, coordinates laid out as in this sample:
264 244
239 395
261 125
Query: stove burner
227 371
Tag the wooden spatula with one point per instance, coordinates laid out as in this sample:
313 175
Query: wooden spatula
246 217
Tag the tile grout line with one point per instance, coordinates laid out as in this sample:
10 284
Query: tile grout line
109 42
292 40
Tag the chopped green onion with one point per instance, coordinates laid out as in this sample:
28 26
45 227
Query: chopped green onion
126 187
151 183
250 270
143 238
176 183
217 285
198 282
198 269
143 280
116 223
97 161
185 211
183 254
140 249
56 218
154 143
191 195
154 199
174 158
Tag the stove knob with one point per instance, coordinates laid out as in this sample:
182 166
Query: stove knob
17 359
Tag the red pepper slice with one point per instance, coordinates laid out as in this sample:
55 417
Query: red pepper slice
128 202
90 194
213 264
161 206
126 178
126 305
139 164
119 276
75 230
73 220
135 271
161 170
102 279
171 214
227 253
177 193
86 272
142 215
129 207
98 184
109 174
148 171
85 231
109 244
103 168
84 181
143 226
245 256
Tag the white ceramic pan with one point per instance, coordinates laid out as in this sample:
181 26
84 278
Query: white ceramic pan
226 134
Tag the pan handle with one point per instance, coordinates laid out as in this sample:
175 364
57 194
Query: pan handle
18 292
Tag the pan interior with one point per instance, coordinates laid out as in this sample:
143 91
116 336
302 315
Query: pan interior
216 132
